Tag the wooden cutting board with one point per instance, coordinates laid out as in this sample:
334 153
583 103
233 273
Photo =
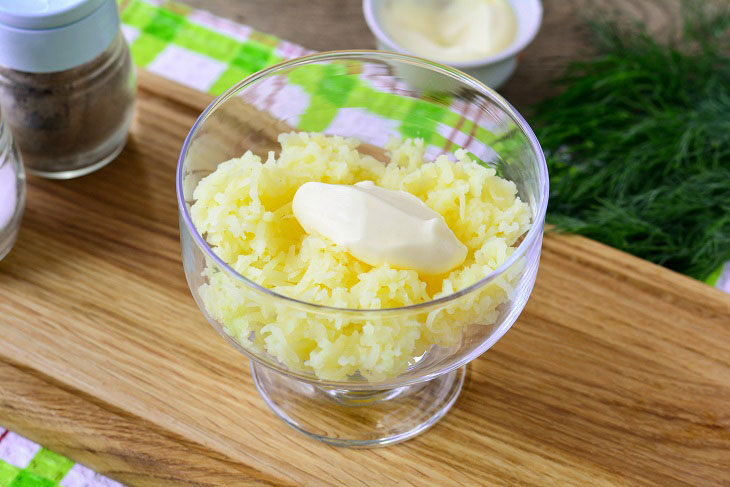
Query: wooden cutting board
617 372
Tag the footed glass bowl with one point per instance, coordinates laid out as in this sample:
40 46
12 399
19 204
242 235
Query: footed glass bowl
371 96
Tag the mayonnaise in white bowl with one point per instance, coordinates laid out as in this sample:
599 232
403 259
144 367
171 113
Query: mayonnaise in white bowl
480 37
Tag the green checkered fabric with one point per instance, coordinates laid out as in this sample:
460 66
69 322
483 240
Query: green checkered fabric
26 464
46 469
163 37
212 54
227 52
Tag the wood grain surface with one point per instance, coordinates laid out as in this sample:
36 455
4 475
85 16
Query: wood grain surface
617 373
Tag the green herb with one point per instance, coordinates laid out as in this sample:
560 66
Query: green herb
638 143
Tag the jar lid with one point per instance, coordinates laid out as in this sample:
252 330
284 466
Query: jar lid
45 14
42 36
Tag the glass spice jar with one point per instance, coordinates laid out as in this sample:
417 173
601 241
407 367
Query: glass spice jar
12 190
67 83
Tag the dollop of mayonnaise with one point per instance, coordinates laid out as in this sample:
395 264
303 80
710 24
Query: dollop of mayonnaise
450 30
379 226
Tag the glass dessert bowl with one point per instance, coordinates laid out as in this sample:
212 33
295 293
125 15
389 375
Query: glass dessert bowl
409 361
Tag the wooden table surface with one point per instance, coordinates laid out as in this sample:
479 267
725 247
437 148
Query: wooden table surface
617 373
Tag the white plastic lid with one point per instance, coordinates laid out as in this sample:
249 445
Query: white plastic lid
45 14
41 36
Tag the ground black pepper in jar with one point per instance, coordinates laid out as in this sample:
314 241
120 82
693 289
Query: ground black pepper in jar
69 111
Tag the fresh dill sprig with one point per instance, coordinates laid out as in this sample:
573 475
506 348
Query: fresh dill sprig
638 143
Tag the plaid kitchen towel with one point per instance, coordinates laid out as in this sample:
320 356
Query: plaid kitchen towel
196 48
26 464
211 54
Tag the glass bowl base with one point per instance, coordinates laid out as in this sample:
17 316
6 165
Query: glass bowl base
358 419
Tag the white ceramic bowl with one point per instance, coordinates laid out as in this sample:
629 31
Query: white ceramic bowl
492 70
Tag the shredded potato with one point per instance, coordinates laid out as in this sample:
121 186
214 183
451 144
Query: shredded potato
244 211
